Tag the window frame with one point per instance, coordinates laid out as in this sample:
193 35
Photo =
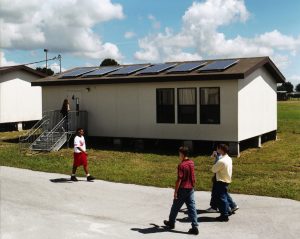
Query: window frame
158 119
179 120
218 122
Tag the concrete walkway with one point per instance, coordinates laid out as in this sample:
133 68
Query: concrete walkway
34 207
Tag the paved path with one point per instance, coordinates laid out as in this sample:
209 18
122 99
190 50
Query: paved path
33 207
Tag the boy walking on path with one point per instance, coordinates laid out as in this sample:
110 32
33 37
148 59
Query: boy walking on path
213 201
184 192
223 170
80 156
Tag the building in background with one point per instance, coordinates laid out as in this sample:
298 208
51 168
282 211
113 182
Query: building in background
20 103
231 100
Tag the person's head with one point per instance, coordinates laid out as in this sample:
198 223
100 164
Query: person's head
80 131
183 152
66 102
222 149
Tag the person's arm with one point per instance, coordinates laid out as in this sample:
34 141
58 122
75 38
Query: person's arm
177 185
77 145
217 166
81 150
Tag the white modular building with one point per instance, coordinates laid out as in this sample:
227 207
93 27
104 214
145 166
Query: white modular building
19 101
224 100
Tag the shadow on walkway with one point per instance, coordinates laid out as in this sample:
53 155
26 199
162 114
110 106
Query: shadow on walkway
156 229
200 219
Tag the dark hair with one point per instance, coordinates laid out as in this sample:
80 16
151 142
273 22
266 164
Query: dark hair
64 108
78 129
184 150
223 147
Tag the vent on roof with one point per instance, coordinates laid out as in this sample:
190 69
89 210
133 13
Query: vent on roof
102 71
77 72
186 67
127 70
157 68
219 65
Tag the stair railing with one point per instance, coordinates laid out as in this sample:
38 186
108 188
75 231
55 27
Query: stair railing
50 138
31 135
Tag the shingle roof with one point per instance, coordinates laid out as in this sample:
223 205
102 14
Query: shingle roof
7 69
240 70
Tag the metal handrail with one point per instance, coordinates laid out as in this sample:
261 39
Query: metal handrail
28 134
33 131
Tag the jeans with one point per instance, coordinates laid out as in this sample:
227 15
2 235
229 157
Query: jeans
184 196
214 201
222 198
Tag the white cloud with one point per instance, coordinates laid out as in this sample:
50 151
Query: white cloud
4 61
154 21
129 34
55 67
60 26
201 33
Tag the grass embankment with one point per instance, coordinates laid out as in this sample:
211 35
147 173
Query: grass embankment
273 170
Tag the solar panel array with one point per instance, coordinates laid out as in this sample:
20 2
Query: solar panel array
101 71
186 67
127 70
145 69
77 72
219 65
157 68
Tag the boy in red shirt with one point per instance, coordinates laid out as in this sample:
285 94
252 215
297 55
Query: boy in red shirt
184 192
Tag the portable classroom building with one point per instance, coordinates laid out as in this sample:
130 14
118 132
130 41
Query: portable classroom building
228 100
19 102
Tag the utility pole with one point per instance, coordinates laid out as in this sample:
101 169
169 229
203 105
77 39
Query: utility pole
46 51
59 58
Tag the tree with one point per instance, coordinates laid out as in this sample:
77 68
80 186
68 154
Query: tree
297 88
109 62
286 86
45 70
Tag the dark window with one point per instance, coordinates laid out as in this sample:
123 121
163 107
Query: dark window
165 107
187 106
210 105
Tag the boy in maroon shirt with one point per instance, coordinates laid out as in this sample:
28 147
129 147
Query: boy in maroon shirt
184 192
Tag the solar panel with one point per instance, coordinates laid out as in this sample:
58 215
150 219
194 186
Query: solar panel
77 72
219 65
101 71
186 67
128 70
156 68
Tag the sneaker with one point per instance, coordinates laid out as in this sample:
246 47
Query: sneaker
169 225
74 179
90 178
222 219
194 230
211 210
234 209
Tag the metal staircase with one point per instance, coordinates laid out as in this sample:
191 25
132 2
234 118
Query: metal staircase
51 140
52 131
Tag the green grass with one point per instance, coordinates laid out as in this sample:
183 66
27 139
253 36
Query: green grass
273 170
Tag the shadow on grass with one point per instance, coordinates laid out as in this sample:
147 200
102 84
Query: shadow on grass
156 229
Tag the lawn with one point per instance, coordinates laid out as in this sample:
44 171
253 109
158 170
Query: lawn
273 170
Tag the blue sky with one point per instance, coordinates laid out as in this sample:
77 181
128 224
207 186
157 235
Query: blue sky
86 32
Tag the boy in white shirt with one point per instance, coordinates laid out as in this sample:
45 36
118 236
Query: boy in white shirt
80 156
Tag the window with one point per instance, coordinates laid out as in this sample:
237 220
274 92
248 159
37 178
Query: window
165 107
210 105
187 106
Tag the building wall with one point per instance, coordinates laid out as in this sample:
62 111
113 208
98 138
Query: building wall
129 110
257 105
19 101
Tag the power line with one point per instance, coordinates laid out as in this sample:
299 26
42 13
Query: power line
52 59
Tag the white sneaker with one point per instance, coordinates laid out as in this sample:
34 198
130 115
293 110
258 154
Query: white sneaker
211 210
234 209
